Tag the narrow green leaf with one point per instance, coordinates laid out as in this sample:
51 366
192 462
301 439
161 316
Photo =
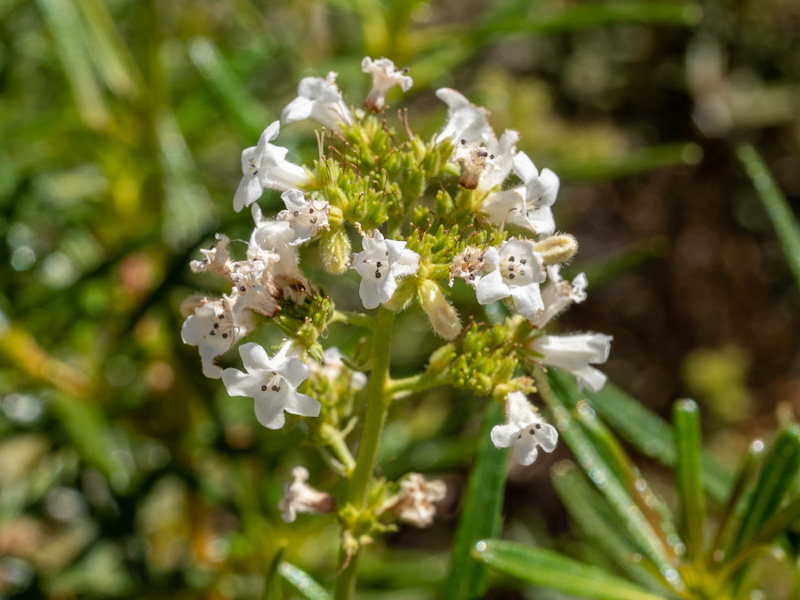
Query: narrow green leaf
248 116
480 516
648 432
776 477
110 54
272 582
727 519
686 417
647 537
62 20
303 583
552 570
774 201
593 515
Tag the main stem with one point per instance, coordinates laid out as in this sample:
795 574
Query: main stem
378 401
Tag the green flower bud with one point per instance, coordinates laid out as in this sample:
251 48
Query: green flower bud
441 314
557 249
334 249
404 295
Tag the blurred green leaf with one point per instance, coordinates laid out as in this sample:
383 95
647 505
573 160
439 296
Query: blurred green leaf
480 516
648 536
591 512
686 417
648 432
777 475
249 117
302 581
546 568
777 207
272 582
609 267
635 162
62 20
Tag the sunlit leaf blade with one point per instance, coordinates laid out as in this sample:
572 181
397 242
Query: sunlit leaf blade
778 208
552 570
648 432
686 417
777 475
649 540
110 54
248 116
303 583
62 20
593 515
480 515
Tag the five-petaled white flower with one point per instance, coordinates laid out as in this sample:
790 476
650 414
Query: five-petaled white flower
384 77
380 264
302 498
265 166
272 383
415 502
319 99
527 205
559 294
305 217
575 354
524 429
515 271
214 327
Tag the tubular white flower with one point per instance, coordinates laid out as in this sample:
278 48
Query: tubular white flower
217 259
319 99
514 271
272 383
214 328
384 77
380 264
465 121
415 502
302 498
575 354
305 217
527 205
558 295
265 166
525 430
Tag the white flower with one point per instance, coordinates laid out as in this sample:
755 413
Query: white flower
515 271
265 166
319 99
380 264
384 77
217 259
304 217
465 121
214 328
524 429
501 159
333 367
415 502
574 353
558 294
301 497
272 383
527 205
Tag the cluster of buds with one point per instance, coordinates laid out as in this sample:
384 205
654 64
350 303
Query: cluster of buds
487 222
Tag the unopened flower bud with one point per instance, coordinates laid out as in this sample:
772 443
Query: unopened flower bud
557 248
334 248
441 314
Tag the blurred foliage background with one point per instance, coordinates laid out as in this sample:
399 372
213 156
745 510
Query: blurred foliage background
124 472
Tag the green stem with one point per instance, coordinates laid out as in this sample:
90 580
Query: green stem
378 401
353 318
334 438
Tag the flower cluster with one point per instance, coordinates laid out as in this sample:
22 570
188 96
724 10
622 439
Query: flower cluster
487 221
